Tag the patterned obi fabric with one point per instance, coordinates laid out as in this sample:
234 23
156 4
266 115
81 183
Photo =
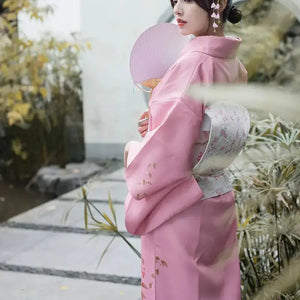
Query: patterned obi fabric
224 132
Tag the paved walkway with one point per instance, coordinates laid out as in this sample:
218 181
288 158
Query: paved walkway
42 257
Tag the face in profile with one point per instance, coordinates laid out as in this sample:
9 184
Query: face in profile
191 18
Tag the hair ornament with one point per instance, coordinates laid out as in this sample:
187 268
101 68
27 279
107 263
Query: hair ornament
215 6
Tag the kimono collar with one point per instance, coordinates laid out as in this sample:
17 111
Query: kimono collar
217 46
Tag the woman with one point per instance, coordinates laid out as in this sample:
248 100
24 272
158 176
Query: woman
187 223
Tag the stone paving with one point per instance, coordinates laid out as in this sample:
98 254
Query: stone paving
43 255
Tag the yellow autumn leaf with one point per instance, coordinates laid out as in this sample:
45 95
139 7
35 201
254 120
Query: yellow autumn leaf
18 149
29 43
22 108
26 4
63 46
28 88
34 15
16 146
24 155
18 96
13 117
43 92
76 47
10 102
4 69
66 45
11 16
89 46
43 58
247 221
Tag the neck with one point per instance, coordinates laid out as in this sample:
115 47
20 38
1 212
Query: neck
219 31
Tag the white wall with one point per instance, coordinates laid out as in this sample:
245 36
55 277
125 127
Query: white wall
111 103
111 106
66 19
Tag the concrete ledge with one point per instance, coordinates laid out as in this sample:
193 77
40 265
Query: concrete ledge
71 274
57 213
24 286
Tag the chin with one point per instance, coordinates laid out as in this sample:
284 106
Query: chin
185 32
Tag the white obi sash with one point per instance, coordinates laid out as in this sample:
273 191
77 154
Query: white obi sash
223 134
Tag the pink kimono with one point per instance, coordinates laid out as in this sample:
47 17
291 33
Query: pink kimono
186 220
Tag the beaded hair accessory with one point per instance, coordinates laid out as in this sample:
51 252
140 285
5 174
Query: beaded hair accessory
215 6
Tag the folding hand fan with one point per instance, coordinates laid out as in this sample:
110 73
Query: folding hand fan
154 52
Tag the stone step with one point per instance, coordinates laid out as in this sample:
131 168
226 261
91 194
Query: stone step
69 252
44 256
24 286
67 214
99 189
117 175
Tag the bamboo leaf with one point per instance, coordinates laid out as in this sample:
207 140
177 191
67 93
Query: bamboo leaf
67 213
105 251
85 216
247 221
108 220
112 208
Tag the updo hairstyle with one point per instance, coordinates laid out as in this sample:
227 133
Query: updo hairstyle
230 13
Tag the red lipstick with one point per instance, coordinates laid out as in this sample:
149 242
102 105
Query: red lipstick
181 22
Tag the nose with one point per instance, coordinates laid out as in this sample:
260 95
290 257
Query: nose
177 9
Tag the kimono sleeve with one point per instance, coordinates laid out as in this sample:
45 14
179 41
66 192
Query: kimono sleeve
165 156
159 176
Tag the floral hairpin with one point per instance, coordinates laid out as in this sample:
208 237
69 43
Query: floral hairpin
215 15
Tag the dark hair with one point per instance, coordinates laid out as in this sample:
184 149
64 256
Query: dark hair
230 13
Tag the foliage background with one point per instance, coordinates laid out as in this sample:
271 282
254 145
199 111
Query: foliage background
267 185
40 96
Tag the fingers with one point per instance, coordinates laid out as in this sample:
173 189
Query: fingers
144 115
143 123
143 133
143 128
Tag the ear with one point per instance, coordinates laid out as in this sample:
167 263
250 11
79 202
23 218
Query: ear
223 4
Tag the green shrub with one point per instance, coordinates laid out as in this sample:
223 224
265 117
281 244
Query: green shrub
268 204
40 96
